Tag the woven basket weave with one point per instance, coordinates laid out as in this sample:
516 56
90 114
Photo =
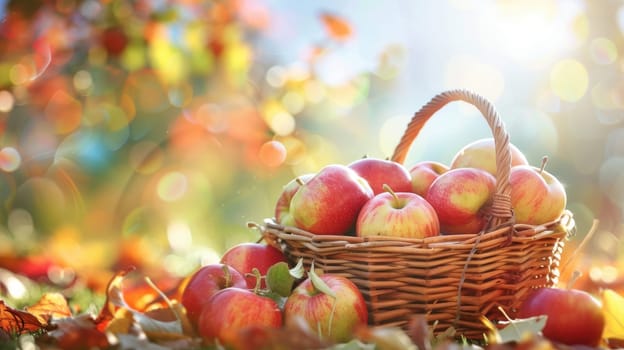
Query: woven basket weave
454 280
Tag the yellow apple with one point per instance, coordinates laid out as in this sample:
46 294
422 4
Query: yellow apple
482 154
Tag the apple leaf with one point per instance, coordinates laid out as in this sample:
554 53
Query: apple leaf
298 271
517 329
279 299
319 284
279 279
612 306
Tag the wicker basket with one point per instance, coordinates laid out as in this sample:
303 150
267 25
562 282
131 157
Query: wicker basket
454 280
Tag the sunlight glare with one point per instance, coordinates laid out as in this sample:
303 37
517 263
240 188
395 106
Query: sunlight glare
532 30
179 236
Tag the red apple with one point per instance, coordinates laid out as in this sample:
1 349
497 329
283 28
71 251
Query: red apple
205 282
537 197
317 309
574 316
232 310
482 154
397 214
244 257
459 197
330 202
282 206
423 173
378 172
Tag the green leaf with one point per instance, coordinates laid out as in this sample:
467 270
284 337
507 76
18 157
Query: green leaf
319 284
279 279
280 300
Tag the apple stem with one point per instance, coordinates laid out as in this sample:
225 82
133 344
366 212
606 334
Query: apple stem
226 274
258 276
544 161
300 181
388 189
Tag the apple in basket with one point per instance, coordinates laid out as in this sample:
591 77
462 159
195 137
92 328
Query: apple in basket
378 172
331 305
282 206
574 316
459 197
205 282
482 154
330 202
536 195
397 214
423 173
244 257
232 310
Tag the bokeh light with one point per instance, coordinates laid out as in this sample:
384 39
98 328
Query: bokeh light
6 101
172 186
272 153
569 80
10 159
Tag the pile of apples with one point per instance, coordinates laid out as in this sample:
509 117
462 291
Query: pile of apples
253 289
377 197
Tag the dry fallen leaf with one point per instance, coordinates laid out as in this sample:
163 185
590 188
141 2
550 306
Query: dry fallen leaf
51 305
612 306
162 323
14 321
78 332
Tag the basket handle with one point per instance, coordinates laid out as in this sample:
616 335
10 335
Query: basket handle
500 210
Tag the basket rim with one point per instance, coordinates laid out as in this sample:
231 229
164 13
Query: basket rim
516 232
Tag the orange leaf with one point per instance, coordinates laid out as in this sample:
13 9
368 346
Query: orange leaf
14 321
107 313
51 305
161 323
337 28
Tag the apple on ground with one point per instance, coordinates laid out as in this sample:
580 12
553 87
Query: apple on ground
205 282
575 317
536 195
244 257
423 173
482 154
378 172
397 214
282 206
231 310
329 203
459 197
333 308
